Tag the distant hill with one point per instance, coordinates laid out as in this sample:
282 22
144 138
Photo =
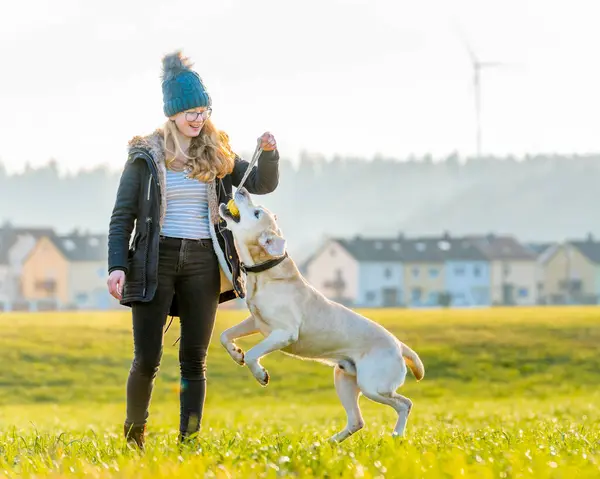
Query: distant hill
536 198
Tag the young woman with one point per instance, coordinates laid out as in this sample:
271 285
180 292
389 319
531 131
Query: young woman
182 261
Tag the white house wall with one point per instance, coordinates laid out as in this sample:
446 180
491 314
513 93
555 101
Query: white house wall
16 256
521 274
323 267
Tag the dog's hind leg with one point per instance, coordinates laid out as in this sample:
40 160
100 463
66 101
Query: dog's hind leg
348 392
228 337
378 378
401 404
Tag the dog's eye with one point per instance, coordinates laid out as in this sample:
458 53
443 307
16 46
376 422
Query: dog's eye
257 214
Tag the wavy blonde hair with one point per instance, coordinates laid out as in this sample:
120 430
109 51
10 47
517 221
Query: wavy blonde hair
209 154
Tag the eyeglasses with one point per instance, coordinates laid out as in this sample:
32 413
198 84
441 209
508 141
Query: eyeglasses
193 115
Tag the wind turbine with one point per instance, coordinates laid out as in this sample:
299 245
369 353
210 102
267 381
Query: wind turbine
477 67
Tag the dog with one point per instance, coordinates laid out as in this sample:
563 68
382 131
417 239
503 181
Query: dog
298 320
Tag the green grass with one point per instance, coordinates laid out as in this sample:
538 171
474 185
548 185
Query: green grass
507 393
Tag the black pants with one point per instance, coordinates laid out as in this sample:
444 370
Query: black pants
189 268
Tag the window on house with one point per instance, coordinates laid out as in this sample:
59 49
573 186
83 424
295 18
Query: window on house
370 296
459 271
477 271
415 272
523 292
434 272
387 273
331 252
46 286
69 244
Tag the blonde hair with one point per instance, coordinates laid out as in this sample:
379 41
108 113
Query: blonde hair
209 154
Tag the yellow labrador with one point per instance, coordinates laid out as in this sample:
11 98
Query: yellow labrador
298 320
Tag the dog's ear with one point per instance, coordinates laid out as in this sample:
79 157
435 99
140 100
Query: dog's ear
272 243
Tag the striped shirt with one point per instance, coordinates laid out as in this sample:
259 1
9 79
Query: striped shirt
187 207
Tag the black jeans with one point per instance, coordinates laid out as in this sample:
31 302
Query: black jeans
189 268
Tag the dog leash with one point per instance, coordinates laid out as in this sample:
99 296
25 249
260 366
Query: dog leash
257 152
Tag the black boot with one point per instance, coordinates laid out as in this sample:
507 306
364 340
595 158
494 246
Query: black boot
135 435
191 398
187 435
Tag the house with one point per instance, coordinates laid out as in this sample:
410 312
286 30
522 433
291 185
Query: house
424 271
572 273
469 271
445 271
45 275
513 269
421 272
543 252
15 244
68 272
358 272
467 274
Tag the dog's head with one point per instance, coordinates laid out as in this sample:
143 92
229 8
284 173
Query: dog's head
255 227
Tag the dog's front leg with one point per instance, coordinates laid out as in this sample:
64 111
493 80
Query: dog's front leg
278 339
245 328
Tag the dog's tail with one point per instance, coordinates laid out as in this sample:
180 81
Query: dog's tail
414 362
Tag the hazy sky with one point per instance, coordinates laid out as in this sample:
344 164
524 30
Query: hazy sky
79 79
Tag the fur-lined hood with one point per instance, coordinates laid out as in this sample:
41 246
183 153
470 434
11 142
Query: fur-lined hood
154 144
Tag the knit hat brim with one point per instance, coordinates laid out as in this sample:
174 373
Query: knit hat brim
199 98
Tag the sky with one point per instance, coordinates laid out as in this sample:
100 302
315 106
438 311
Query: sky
360 78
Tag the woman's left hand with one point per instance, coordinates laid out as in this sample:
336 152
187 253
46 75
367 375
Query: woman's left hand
267 142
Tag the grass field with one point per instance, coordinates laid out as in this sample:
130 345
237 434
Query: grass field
507 393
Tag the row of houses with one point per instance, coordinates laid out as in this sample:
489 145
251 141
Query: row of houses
42 270
469 271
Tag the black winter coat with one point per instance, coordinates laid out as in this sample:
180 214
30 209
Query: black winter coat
141 204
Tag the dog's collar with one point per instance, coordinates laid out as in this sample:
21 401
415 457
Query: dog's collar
260 267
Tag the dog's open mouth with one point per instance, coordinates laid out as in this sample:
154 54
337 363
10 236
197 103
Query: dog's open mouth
228 214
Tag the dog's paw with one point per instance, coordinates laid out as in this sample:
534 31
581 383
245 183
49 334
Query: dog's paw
262 377
237 354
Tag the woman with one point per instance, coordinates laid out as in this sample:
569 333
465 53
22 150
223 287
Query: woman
182 261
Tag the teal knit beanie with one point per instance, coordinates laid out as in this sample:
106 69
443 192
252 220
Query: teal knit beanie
181 86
